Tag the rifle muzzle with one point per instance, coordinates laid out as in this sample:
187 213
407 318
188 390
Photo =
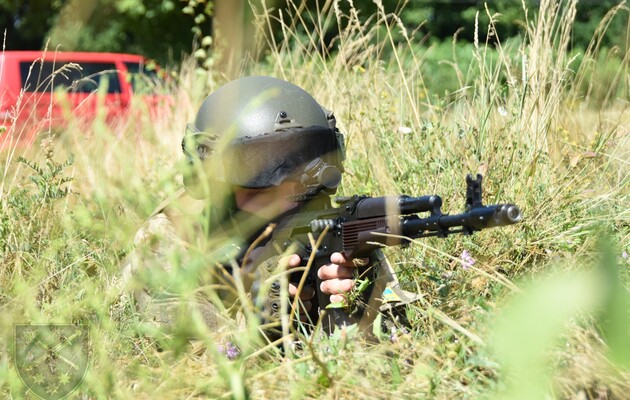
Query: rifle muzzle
505 214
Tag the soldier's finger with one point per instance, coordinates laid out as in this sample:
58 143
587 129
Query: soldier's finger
337 298
336 286
306 294
341 259
291 261
335 271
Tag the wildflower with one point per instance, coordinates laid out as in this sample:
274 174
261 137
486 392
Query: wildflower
48 148
466 260
396 334
229 350
624 255
392 336
502 111
405 130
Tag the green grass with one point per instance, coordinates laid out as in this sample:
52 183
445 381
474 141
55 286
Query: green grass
505 328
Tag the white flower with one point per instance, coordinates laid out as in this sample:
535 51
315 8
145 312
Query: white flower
405 130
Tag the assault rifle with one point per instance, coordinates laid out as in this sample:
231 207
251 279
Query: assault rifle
360 225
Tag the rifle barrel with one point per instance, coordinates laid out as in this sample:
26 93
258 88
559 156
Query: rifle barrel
476 219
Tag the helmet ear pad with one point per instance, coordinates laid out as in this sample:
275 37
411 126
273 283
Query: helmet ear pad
197 148
196 144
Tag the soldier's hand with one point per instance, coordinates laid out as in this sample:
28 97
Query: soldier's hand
337 276
307 292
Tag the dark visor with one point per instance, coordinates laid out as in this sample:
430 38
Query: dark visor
270 159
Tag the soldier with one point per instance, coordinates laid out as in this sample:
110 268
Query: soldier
250 141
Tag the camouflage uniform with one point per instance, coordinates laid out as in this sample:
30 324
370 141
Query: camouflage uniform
162 245
165 238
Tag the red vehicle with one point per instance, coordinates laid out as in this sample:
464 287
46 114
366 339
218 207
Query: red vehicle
43 90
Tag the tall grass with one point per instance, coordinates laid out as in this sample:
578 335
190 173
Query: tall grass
517 117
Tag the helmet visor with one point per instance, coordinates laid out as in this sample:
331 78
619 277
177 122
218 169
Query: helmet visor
268 160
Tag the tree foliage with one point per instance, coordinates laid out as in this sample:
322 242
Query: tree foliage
156 28
166 29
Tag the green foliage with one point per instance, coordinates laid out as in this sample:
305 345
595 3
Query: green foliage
525 349
155 28
27 23
416 117
49 179
182 27
28 208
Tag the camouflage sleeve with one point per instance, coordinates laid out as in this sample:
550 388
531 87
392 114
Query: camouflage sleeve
158 252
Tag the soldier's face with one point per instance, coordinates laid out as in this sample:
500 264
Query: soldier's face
268 202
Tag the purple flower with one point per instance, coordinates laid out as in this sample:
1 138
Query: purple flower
396 334
466 260
393 337
624 255
229 350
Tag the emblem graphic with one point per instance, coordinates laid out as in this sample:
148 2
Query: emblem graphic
51 359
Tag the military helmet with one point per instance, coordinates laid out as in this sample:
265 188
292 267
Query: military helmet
260 131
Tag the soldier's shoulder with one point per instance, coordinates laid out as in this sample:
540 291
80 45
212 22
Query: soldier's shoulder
178 213
157 225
